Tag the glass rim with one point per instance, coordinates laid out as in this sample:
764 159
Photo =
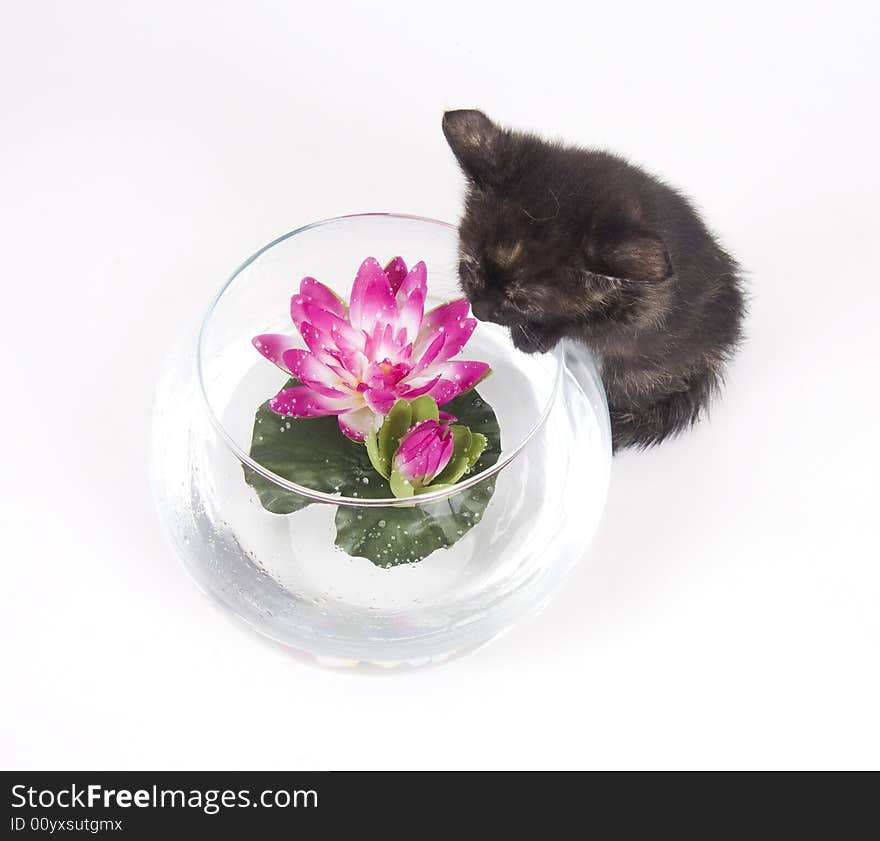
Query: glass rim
354 501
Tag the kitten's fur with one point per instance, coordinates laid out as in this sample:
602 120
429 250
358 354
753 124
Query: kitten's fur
558 241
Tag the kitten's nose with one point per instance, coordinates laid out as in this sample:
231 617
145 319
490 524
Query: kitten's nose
483 310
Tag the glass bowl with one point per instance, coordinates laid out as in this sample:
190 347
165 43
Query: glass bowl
282 573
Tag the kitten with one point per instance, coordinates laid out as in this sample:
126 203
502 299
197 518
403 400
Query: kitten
558 241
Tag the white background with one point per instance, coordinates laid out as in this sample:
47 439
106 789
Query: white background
728 614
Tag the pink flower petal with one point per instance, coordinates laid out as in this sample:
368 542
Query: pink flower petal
443 316
412 465
380 400
358 422
445 416
315 341
385 374
457 337
310 371
349 364
451 320
417 437
430 353
396 272
458 377
337 332
413 468
411 390
336 360
440 457
317 293
330 356
411 312
443 391
297 310
424 451
371 298
382 344
416 280
273 346
410 299
302 402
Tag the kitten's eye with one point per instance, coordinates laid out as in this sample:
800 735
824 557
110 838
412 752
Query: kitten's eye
494 277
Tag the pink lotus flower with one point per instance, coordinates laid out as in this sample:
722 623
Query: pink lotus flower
363 357
423 452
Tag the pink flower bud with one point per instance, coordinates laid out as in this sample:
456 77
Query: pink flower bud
423 452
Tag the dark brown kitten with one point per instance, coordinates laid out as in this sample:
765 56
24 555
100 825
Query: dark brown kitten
559 241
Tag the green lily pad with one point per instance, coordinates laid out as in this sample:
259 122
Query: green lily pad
314 453
309 451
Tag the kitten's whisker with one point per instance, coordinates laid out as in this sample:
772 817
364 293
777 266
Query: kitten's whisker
545 218
527 333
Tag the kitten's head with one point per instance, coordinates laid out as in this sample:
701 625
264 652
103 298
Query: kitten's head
546 246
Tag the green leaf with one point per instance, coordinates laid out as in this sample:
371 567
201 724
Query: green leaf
428 489
314 453
424 408
396 423
400 487
478 444
378 461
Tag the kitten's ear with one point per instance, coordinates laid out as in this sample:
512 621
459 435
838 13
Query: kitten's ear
632 254
474 139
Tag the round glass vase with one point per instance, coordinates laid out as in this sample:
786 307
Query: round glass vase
537 508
